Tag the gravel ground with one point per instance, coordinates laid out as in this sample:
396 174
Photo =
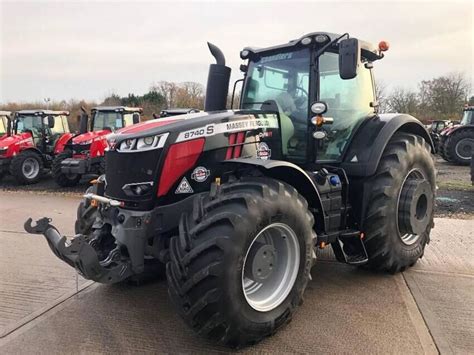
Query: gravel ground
455 197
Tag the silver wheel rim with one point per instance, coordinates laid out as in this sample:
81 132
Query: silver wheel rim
274 255
30 168
408 238
466 142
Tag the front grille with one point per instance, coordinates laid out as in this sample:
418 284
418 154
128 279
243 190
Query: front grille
80 148
129 168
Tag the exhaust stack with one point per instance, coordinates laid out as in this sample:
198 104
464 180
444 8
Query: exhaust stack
217 82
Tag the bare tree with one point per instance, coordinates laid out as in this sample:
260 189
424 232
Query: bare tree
403 101
381 96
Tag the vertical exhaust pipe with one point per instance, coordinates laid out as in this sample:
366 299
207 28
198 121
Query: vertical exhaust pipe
217 82
83 121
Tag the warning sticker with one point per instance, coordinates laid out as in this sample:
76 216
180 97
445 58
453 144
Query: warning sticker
184 187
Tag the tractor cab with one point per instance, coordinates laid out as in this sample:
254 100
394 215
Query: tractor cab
112 118
313 75
4 123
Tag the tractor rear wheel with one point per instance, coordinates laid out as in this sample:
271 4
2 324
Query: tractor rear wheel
400 208
241 262
26 167
62 179
460 146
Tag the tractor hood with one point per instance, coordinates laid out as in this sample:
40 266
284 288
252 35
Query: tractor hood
6 141
87 138
171 124
448 131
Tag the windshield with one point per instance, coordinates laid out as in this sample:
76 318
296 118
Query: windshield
3 125
29 123
467 118
282 79
110 120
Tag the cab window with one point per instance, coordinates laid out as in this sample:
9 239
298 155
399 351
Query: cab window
348 103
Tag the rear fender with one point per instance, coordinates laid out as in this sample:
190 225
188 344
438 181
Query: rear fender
292 175
366 147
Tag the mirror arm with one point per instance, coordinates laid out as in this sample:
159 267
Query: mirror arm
335 40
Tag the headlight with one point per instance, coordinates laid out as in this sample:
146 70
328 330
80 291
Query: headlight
143 144
3 150
86 142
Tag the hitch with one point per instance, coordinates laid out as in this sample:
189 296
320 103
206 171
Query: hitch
81 255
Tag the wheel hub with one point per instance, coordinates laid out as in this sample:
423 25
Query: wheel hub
415 208
264 257
270 267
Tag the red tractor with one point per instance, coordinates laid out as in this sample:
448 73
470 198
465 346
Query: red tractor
36 137
456 143
4 122
84 153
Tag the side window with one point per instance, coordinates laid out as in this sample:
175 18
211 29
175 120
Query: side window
58 125
348 103
128 119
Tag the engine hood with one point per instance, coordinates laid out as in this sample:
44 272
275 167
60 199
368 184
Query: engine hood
86 138
6 141
171 124
449 130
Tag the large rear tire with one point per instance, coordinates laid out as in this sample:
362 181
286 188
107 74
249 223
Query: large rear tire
241 262
460 146
62 179
400 210
27 167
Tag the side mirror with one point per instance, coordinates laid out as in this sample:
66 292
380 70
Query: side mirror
50 121
83 123
349 58
136 118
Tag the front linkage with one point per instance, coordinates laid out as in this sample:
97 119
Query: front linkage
79 253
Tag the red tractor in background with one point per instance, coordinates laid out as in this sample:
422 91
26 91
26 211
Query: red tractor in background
35 138
84 153
4 122
456 143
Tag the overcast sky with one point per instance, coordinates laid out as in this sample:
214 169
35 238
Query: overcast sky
87 50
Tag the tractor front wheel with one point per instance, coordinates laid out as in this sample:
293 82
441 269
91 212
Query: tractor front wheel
62 179
26 167
400 210
241 262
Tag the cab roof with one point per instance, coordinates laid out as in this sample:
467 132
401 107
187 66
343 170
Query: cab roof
42 112
368 50
118 108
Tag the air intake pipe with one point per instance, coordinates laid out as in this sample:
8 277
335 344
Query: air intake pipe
217 82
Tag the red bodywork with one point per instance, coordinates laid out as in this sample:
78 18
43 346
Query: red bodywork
97 142
18 142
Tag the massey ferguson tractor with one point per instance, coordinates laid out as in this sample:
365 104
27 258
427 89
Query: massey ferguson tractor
4 123
235 203
84 153
456 143
35 138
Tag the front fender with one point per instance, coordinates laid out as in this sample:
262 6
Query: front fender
292 175
366 147
62 141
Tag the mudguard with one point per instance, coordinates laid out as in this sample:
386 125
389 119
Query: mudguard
61 142
367 145
293 175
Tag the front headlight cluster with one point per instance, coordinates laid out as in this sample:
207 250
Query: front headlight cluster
142 144
3 150
86 142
